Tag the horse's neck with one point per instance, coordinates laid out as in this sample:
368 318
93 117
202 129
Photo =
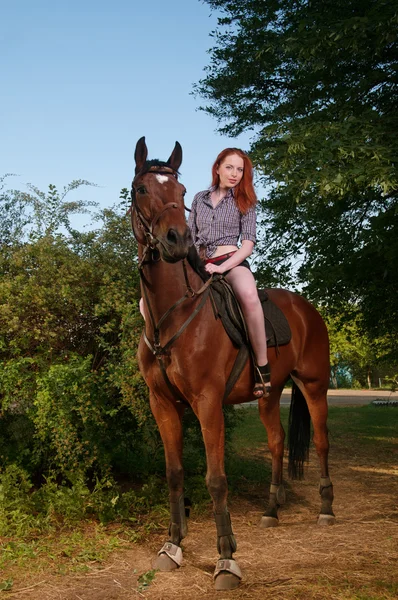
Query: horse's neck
165 284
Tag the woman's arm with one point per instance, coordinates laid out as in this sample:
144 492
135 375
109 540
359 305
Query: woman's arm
192 220
239 256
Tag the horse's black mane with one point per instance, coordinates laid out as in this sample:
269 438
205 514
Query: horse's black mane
155 162
196 263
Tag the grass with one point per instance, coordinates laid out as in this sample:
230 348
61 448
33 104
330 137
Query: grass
368 425
65 549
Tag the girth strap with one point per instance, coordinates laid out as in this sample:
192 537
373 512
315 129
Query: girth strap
240 361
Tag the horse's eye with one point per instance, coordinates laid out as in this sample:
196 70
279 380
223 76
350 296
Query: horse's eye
141 189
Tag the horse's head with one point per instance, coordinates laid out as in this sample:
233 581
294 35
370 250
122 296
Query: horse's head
158 216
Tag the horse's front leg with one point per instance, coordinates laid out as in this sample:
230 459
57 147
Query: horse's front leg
227 574
168 417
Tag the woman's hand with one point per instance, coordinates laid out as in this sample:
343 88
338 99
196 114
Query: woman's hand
212 268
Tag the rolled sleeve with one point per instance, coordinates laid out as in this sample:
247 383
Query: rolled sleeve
248 225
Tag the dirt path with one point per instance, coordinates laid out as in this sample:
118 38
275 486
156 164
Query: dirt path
355 559
343 397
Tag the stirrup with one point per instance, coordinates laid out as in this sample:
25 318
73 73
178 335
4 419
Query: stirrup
262 378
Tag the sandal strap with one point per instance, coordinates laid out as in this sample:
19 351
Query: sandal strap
174 552
228 564
264 369
263 373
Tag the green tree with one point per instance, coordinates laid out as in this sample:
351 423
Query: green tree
355 358
317 82
13 218
71 397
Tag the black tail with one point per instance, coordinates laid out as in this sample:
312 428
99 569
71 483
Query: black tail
299 434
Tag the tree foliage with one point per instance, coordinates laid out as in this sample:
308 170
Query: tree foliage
317 83
71 396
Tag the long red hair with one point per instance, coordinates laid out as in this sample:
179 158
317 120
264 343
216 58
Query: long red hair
245 196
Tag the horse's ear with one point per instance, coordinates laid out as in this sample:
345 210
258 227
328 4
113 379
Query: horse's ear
141 153
175 159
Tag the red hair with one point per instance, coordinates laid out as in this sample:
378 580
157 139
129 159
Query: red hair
245 196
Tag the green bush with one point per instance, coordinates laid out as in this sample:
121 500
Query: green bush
77 438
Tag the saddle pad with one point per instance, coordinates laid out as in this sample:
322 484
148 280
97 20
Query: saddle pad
276 325
227 308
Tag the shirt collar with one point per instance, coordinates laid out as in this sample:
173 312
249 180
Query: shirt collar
211 189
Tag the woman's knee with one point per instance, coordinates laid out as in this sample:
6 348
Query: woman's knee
249 299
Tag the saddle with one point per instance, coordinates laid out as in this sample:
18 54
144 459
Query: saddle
226 307
228 310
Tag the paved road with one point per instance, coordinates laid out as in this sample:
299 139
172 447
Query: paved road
344 397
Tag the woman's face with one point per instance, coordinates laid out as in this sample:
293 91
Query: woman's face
230 171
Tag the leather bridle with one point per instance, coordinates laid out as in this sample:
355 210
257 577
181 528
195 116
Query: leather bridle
152 241
146 226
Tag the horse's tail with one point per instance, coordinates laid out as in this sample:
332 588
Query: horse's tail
298 434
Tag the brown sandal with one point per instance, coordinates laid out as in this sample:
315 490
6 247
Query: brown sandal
262 377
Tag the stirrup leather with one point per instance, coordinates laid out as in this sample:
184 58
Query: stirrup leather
262 378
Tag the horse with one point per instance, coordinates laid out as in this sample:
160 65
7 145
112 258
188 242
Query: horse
185 357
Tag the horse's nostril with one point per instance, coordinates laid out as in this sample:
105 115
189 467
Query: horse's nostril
172 236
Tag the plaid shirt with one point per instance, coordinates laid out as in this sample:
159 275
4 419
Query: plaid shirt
222 225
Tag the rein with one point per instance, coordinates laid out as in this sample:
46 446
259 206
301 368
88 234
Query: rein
151 242
155 347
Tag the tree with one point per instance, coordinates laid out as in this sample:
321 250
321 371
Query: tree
317 82
71 398
355 358
13 218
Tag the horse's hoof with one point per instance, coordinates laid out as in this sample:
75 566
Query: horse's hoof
227 574
326 520
226 581
164 563
268 522
169 557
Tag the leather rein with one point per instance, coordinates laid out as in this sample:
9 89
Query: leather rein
150 248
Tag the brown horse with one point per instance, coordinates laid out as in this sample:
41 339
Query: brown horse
186 357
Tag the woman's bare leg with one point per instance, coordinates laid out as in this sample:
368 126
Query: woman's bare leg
244 286
141 306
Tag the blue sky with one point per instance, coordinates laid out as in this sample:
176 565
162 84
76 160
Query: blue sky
83 80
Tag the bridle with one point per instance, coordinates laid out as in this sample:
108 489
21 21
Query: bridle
146 226
151 242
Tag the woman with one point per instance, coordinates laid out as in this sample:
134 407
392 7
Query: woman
220 216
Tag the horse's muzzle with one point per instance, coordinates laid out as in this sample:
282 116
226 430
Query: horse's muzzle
174 245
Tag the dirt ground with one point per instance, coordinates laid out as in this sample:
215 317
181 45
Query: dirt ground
357 558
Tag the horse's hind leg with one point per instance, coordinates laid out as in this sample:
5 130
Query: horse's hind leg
316 397
169 420
270 416
227 574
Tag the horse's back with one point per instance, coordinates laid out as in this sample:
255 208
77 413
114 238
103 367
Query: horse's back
308 351
297 309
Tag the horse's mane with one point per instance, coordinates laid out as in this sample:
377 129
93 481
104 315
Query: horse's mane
196 263
154 163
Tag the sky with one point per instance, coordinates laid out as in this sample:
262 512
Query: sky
83 80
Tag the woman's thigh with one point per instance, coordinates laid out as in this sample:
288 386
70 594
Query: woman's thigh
243 283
